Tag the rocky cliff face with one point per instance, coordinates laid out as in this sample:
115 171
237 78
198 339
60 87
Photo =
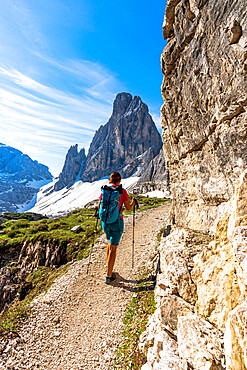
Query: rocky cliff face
201 292
155 177
20 178
204 112
127 143
72 168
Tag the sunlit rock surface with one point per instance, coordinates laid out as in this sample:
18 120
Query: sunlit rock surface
201 291
205 98
126 143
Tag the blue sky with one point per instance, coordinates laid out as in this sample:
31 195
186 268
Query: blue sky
62 63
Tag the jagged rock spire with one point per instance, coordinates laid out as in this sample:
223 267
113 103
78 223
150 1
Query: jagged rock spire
129 133
72 167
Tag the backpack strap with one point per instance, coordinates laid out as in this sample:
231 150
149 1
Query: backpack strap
118 188
108 205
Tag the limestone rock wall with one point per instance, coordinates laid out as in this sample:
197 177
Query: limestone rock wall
201 294
204 116
201 291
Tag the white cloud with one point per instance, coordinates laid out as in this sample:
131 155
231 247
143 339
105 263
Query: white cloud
98 82
27 24
48 103
42 118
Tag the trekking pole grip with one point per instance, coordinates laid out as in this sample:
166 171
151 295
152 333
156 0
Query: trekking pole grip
136 203
96 213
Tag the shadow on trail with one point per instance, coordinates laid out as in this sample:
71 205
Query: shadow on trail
140 285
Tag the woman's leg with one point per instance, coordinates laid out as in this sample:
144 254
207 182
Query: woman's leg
115 231
108 249
107 252
111 256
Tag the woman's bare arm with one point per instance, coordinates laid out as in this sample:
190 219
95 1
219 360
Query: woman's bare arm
99 204
129 205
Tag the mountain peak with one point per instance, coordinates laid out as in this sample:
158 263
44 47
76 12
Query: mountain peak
137 103
126 143
129 134
121 104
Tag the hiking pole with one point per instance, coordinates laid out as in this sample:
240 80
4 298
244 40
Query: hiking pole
95 231
136 205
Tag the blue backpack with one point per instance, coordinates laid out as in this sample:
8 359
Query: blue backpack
109 206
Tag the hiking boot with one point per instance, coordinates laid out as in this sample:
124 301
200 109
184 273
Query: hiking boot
110 279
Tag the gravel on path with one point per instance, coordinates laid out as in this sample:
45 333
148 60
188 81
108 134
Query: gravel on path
77 323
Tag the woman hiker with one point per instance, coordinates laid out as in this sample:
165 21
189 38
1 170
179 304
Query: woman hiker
114 230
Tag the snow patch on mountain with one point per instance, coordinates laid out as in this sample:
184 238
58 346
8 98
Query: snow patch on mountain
58 203
157 194
37 184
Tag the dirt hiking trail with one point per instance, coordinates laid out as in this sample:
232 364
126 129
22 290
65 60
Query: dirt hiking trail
77 323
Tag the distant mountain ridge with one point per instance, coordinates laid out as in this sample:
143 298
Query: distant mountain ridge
20 179
127 143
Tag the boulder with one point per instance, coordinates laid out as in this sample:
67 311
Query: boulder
76 229
200 343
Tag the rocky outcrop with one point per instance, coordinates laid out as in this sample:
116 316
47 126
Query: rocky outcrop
201 291
23 262
20 179
127 143
155 177
72 168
